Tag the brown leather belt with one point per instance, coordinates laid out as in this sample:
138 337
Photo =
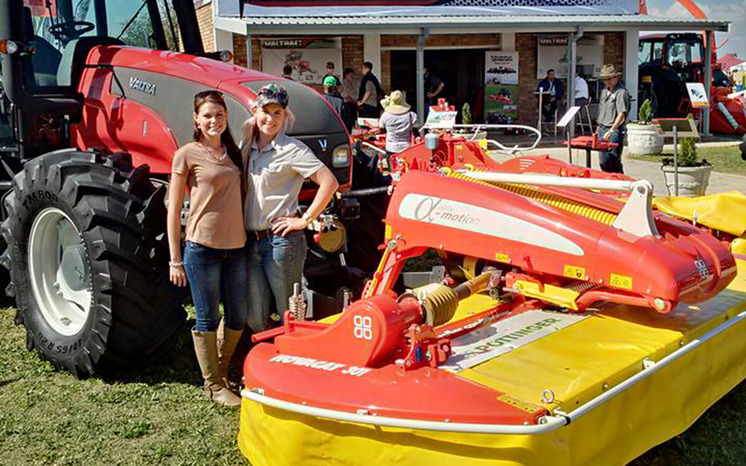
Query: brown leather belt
258 235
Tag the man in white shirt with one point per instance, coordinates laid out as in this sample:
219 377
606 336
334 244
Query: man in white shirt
581 91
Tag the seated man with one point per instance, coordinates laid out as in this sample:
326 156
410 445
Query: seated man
554 90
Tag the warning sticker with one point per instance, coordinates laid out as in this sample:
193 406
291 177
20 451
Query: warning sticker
504 336
574 272
621 281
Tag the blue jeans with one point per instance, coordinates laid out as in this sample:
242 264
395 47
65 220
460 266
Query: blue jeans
611 160
275 264
217 275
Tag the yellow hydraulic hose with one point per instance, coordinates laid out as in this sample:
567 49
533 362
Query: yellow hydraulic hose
546 198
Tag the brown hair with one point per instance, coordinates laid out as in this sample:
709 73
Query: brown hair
216 97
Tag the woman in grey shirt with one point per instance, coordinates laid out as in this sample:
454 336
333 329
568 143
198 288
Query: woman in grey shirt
276 166
398 122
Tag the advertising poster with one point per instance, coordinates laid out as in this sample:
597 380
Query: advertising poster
306 56
501 103
553 53
501 87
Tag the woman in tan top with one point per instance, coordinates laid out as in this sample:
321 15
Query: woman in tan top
214 257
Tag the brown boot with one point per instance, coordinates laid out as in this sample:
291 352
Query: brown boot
227 342
205 346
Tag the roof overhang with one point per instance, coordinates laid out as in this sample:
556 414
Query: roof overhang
440 24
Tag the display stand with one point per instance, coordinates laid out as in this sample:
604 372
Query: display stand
567 119
673 128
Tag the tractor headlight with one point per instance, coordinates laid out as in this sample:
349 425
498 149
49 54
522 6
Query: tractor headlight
341 156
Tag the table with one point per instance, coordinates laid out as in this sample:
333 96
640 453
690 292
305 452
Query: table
589 143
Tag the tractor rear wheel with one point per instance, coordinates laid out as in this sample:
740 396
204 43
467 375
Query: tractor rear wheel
87 254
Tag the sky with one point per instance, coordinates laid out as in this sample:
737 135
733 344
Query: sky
732 10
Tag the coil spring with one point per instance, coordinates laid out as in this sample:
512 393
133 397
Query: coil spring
297 307
438 302
546 198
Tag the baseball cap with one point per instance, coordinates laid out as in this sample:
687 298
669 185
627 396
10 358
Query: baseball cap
272 94
330 81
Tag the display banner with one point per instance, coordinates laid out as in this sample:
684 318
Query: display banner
307 57
501 87
553 53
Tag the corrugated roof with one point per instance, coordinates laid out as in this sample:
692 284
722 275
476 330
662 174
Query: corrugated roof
643 22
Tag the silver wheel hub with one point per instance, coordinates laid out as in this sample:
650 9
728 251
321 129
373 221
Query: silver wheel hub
59 271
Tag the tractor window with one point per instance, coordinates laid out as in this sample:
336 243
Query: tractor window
130 21
685 52
645 52
650 52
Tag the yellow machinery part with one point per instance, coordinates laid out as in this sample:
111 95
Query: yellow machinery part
738 248
724 211
548 293
553 200
577 363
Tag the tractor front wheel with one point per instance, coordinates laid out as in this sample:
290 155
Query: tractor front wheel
87 255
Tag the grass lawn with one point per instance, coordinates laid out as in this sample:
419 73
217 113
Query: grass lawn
150 415
723 159
158 415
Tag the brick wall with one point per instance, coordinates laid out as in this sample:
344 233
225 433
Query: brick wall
352 53
204 19
528 107
614 49
239 51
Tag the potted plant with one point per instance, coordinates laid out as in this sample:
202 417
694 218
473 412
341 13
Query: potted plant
642 136
694 174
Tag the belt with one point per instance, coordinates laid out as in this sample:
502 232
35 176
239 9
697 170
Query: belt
258 235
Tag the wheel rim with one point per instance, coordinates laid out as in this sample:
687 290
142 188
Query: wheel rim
59 271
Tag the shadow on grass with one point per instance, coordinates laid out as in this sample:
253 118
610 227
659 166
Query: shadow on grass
177 364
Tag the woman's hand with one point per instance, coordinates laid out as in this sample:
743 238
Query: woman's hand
177 276
284 225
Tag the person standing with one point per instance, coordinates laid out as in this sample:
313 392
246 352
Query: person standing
330 73
370 88
350 91
581 91
214 259
433 86
331 95
275 170
287 72
613 109
398 122
554 90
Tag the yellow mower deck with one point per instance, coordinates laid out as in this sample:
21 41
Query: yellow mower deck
577 364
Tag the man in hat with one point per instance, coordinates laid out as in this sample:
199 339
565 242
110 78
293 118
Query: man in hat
331 95
613 109
330 72
398 122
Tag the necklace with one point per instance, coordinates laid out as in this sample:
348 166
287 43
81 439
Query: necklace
209 151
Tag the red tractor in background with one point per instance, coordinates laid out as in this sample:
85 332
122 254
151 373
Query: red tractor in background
95 101
668 61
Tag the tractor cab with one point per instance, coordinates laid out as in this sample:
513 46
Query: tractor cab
46 53
666 63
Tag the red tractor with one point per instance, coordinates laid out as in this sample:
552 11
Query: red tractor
94 103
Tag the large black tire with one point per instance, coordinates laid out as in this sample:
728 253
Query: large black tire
121 217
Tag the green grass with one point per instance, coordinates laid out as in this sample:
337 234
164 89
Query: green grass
141 416
723 159
158 415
